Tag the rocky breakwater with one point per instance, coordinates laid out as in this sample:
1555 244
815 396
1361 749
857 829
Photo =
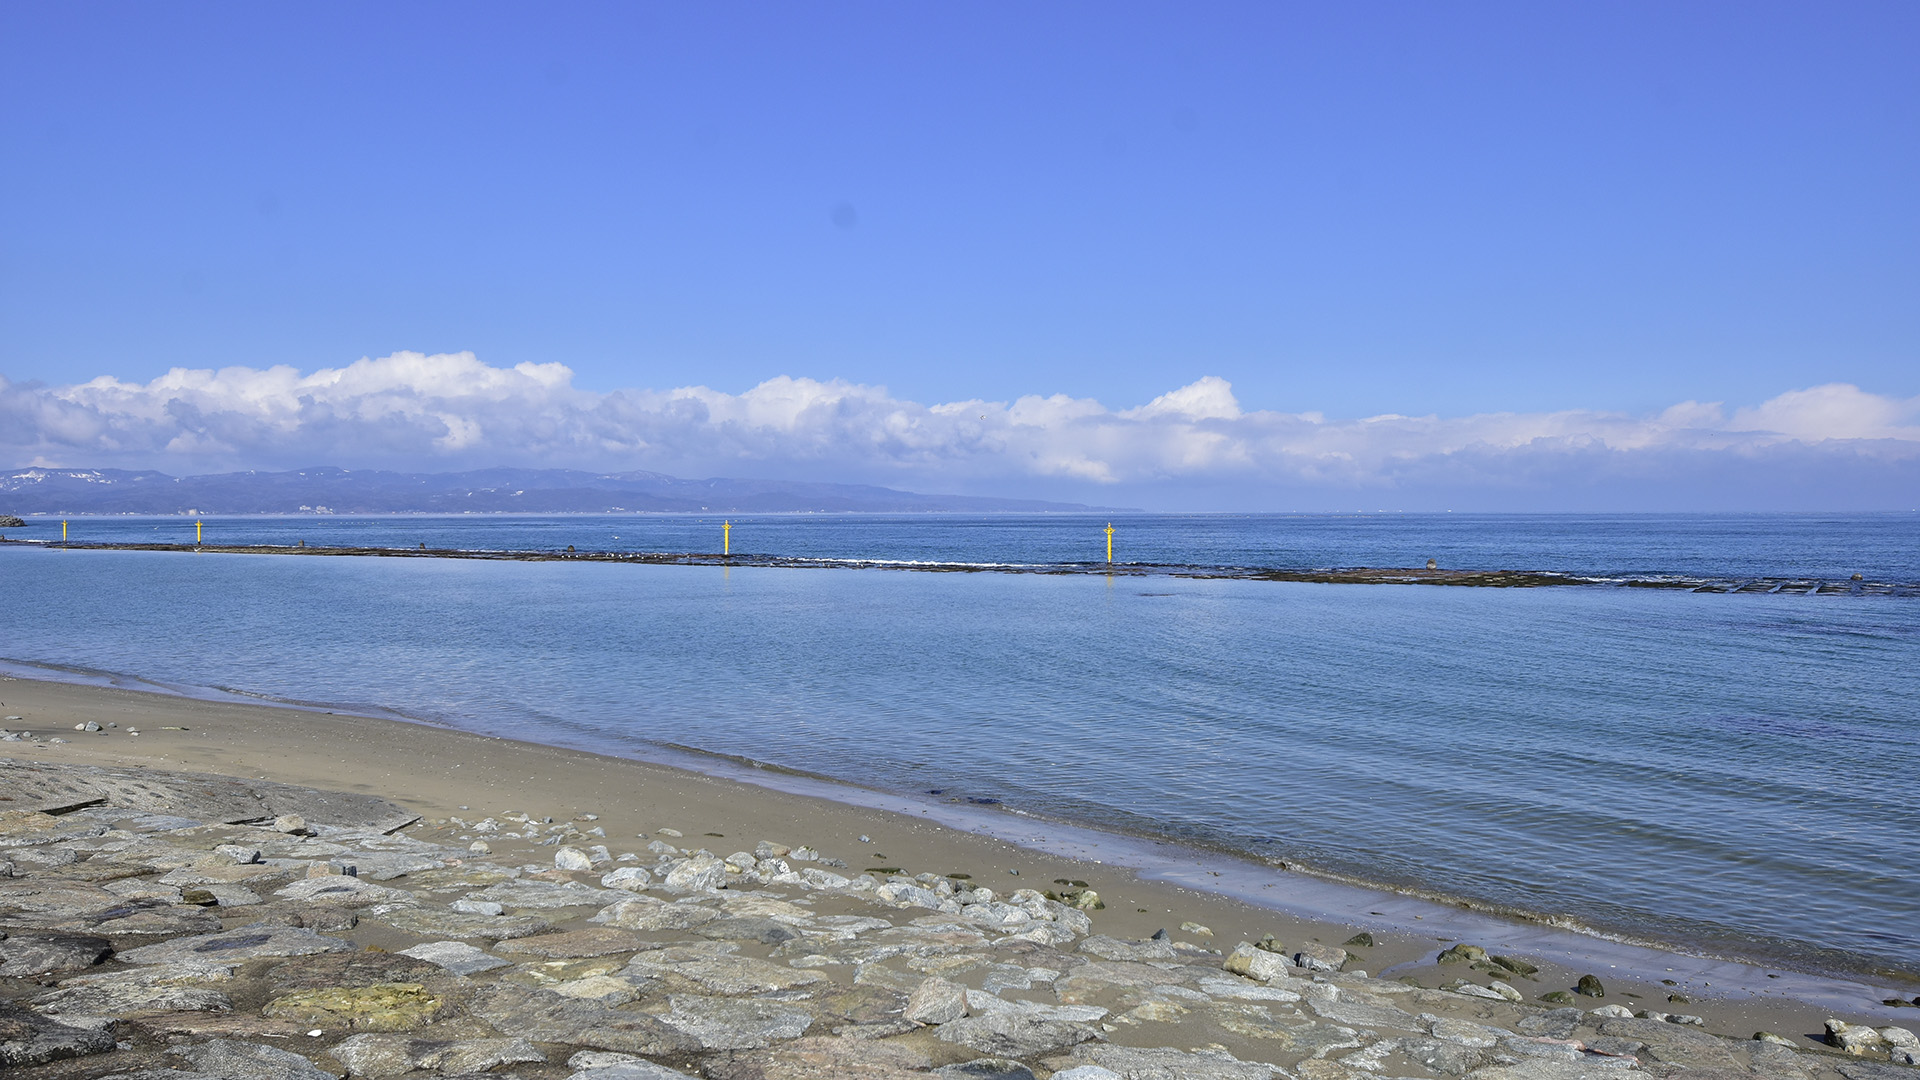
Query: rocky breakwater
171 927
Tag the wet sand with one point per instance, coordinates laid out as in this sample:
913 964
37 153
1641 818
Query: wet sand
1146 886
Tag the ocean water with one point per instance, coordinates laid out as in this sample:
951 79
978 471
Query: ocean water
1735 773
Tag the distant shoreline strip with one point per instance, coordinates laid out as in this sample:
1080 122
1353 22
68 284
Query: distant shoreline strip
1359 575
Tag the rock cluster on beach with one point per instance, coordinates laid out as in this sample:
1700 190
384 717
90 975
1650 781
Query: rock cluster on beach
174 927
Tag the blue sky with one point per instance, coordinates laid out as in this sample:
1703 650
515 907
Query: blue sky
1441 211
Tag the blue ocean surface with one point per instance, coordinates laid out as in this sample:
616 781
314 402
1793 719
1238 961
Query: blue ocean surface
1733 773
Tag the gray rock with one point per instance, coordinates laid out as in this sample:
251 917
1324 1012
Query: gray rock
154 989
571 858
1110 948
546 894
1671 1044
243 943
991 1069
1015 1034
200 796
1554 1023
1316 957
647 913
1253 962
1553 1069
630 1070
1856 1039
392 1055
478 907
1875 1070
700 873
1477 991
629 878
427 923
543 1016
457 957
979 1003
764 931
817 1058
343 890
1134 1063
231 1057
29 1039
142 918
936 1001
23 955
906 894
1464 1032
1358 1011
734 1024
718 972
1445 1058
576 944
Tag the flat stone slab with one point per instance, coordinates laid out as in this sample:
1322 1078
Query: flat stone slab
546 894
393 1055
38 954
231 1057
733 1024
1016 1034
27 1039
542 1016
575 944
1164 1063
456 956
719 972
153 989
244 943
54 788
341 889
423 922
819 1058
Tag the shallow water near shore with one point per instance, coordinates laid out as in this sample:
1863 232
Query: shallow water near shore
1731 773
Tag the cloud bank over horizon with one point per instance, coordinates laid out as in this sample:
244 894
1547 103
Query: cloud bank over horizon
1833 446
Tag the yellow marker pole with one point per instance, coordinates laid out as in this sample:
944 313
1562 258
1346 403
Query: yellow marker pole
726 538
1109 541
63 532
196 531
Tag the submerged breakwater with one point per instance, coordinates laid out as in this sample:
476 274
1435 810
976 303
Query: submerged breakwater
1333 575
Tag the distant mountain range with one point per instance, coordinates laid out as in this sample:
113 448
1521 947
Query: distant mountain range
527 491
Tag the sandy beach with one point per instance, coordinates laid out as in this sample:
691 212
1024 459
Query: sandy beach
444 775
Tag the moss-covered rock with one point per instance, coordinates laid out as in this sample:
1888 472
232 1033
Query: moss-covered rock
380 1007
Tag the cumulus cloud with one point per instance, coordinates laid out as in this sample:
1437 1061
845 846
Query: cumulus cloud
414 411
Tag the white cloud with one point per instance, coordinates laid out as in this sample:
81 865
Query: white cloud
413 411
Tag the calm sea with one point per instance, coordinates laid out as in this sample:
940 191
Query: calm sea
1732 772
